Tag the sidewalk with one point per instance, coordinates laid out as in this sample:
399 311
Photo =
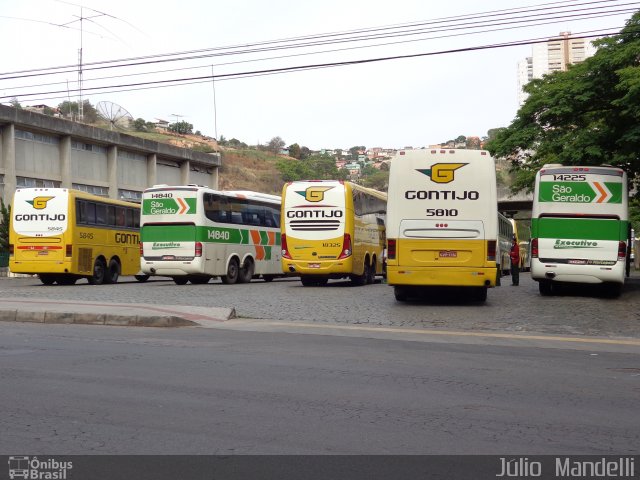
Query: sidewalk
118 314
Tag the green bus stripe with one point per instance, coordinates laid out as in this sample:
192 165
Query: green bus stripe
579 228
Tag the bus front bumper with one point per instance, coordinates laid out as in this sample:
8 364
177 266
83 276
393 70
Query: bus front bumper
438 276
556 272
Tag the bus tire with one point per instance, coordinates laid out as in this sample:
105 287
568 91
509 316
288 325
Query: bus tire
545 288
371 278
498 277
199 279
400 293
181 280
99 272
113 272
246 272
233 271
47 278
480 294
141 278
359 280
66 280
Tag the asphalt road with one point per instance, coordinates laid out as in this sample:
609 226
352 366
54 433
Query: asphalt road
73 389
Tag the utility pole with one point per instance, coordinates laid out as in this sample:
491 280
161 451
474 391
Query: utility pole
215 113
80 104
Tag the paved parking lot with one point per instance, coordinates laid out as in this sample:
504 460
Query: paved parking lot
511 309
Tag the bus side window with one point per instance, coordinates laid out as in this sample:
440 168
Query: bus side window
111 215
120 217
91 213
81 212
101 214
131 213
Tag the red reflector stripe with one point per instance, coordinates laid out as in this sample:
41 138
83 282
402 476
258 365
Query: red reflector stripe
39 247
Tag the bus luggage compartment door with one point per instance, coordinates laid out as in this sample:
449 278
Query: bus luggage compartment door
434 243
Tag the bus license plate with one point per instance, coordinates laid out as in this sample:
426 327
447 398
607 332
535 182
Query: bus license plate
168 257
314 265
448 254
43 252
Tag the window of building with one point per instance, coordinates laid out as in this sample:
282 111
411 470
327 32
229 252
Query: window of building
92 189
130 195
28 182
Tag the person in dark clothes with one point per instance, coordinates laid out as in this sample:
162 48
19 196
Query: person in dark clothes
515 263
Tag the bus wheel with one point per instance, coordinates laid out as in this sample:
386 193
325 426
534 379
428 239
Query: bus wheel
400 293
612 290
199 280
545 288
246 272
67 280
480 294
99 272
233 270
359 280
141 278
47 278
371 278
113 272
182 280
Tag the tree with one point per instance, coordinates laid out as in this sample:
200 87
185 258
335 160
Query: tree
304 153
275 145
15 103
5 218
182 127
587 115
140 125
294 150
70 109
353 151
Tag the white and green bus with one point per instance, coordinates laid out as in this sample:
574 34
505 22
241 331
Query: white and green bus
193 233
580 228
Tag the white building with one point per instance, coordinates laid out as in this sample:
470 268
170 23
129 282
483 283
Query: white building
556 54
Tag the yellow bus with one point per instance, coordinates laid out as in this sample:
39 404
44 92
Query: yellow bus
332 229
443 225
64 235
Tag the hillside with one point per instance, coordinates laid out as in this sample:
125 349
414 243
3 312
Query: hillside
241 169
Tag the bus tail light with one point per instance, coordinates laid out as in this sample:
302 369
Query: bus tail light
391 249
346 247
68 251
491 250
534 248
198 249
622 251
141 250
285 250
11 249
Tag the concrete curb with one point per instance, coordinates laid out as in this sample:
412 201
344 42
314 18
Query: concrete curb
121 315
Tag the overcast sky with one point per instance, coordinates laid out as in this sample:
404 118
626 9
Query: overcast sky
393 103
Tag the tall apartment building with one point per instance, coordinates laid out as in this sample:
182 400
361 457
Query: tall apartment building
556 54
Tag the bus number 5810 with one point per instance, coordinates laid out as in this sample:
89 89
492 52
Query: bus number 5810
442 212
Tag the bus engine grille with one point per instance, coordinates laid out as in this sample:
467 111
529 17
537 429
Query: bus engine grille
84 260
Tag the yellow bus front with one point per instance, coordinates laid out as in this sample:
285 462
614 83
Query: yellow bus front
317 229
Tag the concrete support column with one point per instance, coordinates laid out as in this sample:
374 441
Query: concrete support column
185 167
214 178
112 170
65 161
9 161
152 170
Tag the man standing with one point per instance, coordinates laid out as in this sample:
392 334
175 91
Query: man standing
515 263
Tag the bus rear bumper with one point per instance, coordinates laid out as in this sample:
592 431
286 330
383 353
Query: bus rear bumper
172 268
565 273
450 276
324 268
34 268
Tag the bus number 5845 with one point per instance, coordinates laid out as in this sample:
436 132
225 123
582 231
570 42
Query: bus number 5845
442 212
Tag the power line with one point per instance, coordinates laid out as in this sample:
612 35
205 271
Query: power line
347 36
220 77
